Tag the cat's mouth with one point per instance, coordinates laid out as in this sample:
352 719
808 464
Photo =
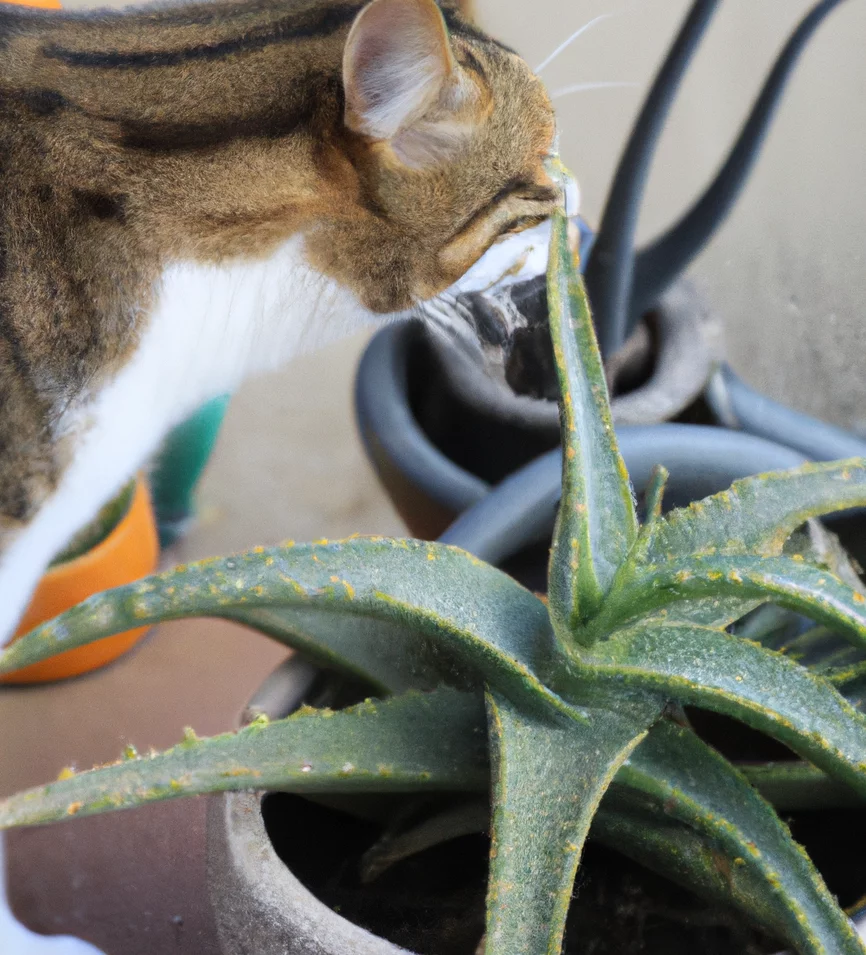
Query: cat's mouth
495 316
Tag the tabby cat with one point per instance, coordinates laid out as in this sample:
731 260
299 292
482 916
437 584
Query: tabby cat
188 194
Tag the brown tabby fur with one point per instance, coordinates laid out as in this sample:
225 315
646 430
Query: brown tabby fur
129 141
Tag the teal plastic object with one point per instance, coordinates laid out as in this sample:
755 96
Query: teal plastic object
178 466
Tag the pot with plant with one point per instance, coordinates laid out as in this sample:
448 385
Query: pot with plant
117 547
444 680
438 411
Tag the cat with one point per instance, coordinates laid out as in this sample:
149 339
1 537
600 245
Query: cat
190 194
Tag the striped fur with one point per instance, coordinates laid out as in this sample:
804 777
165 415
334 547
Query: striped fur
137 144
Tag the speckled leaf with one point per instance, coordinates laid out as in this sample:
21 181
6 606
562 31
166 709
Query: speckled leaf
388 656
474 614
791 786
712 669
822 650
700 788
795 585
644 832
757 514
548 779
418 741
707 612
851 683
596 525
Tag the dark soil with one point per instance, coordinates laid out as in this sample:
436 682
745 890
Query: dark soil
433 903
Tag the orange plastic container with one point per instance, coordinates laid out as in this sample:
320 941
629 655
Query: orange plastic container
128 553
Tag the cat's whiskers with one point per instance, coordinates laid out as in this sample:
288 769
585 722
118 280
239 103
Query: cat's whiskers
582 87
574 36
586 87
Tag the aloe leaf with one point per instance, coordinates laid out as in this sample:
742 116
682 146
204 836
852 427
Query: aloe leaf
654 498
467 818
712 669
418 741
596 525
819 649
795 585
643 832
852 685
463 611
548 779
700 788
757 515
388 656
792 786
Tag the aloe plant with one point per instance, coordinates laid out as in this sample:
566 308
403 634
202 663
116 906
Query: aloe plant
567 711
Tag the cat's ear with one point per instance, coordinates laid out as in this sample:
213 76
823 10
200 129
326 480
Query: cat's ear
398 70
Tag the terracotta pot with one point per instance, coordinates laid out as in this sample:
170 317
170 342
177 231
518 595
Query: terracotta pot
128 553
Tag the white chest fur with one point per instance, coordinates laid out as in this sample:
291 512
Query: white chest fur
212 327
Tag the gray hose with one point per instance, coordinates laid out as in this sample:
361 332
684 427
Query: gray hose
611 262
702 460
736 405
664 259
381 394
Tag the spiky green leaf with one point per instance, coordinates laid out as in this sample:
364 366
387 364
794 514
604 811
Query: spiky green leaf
596 525
387 655
791 786
548 780
758 514
641 830
458 611
700 788
715 670
795 585
418 741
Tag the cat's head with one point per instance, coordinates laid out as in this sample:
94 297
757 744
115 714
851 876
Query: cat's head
446 132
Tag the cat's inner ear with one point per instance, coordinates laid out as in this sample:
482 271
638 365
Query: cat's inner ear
401 80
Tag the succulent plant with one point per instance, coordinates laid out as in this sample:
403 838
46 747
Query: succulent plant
568 711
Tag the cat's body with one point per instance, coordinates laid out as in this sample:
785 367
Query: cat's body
189 194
